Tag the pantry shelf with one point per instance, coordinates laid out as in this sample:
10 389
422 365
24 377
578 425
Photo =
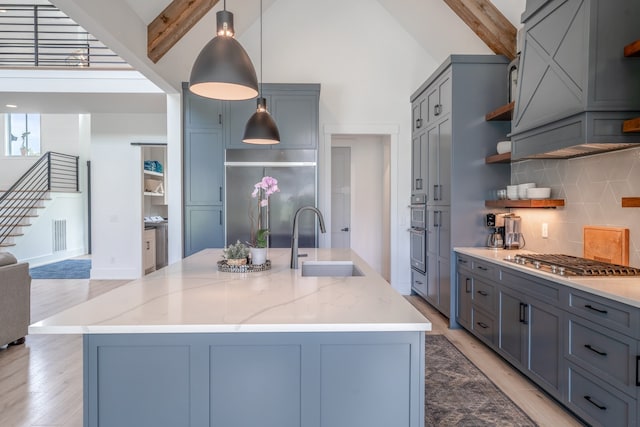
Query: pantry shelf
632 49
530 203
631 202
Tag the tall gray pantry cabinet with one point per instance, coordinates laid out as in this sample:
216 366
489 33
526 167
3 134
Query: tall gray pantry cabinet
210 126
450 140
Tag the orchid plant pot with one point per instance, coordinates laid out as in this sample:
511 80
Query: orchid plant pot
258 256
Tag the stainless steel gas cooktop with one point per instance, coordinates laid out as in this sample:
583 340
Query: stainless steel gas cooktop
567 265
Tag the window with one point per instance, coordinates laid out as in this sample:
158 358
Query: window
22 135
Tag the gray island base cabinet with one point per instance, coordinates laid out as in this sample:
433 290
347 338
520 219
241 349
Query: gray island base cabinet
581 347
267 380
189 345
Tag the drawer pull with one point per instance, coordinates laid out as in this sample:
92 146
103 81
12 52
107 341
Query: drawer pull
462 261
483 293
601 353
483 325
594 403
482 268
590 307
419 282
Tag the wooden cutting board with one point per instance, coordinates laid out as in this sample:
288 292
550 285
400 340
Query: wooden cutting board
606 244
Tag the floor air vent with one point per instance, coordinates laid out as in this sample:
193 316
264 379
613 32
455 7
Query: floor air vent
59 235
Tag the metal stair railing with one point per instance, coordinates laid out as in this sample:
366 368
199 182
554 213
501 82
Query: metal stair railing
52 172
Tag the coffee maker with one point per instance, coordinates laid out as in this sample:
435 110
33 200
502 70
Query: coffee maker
495 239
513 238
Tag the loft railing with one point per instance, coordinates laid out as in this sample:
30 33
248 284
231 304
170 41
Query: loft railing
43 36
52 172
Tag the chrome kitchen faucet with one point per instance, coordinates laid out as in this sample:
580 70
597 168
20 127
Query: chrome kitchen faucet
294 235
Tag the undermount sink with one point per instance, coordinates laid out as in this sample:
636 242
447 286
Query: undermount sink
330 269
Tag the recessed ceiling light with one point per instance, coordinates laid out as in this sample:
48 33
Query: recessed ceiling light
11 106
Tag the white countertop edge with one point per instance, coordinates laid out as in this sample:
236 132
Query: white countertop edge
37 329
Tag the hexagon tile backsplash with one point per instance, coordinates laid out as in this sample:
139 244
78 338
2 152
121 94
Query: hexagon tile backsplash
593 188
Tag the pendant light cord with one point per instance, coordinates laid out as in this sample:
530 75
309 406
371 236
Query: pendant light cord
260 48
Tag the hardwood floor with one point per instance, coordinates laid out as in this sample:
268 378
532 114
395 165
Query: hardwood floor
41 381
538 405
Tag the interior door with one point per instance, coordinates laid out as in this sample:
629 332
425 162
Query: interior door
340 197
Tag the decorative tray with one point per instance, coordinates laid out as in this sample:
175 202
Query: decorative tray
244 268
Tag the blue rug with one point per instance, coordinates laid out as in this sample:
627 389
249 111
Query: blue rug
68 269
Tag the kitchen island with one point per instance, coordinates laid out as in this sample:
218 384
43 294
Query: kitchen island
189 345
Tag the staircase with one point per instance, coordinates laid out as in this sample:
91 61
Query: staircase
22 202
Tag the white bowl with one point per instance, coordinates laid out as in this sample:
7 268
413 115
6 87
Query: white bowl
522 189
503 147
539 193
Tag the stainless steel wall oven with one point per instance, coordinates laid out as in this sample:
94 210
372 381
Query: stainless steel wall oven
418 232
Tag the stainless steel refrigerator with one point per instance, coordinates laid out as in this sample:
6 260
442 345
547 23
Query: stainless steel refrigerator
296 173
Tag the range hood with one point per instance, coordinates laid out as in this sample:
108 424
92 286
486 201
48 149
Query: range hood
575 87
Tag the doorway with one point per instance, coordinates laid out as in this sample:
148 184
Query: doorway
360 197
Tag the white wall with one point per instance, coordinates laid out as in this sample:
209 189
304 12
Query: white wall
117 191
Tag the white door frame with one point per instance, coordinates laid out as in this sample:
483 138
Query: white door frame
324 181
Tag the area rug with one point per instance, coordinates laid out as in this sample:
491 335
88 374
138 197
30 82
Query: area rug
68 269
459 394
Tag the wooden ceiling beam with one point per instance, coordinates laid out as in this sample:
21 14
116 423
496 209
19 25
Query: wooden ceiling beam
173 23
488 23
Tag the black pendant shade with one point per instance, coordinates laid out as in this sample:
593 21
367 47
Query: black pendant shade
261 128
223 69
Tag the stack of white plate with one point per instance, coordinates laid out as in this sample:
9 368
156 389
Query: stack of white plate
522 189
512 192
503 147
539 193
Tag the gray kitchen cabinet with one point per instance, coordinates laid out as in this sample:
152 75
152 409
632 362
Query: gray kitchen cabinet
574 84
203 172
204 228
602 359
439 162
439 257
419 162
295 109
531 328
464 288
450 138
581 348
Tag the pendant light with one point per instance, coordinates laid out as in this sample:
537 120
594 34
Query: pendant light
223 69
261 128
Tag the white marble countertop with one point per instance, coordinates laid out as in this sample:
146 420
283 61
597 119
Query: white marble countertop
192 296
622 289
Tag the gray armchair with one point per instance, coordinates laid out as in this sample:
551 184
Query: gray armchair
15 299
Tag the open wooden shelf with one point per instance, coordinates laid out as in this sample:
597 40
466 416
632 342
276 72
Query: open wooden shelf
631 202
531 203
503 113
632 49
631 125
498 158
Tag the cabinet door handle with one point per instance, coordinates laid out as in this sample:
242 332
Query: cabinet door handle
220 193
435 192
595 350
483 293
219 119
437 218
637 371
523 313
590 307
437 109
220 215
148 247
483 325
418 123
467 285
594 403
418 183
